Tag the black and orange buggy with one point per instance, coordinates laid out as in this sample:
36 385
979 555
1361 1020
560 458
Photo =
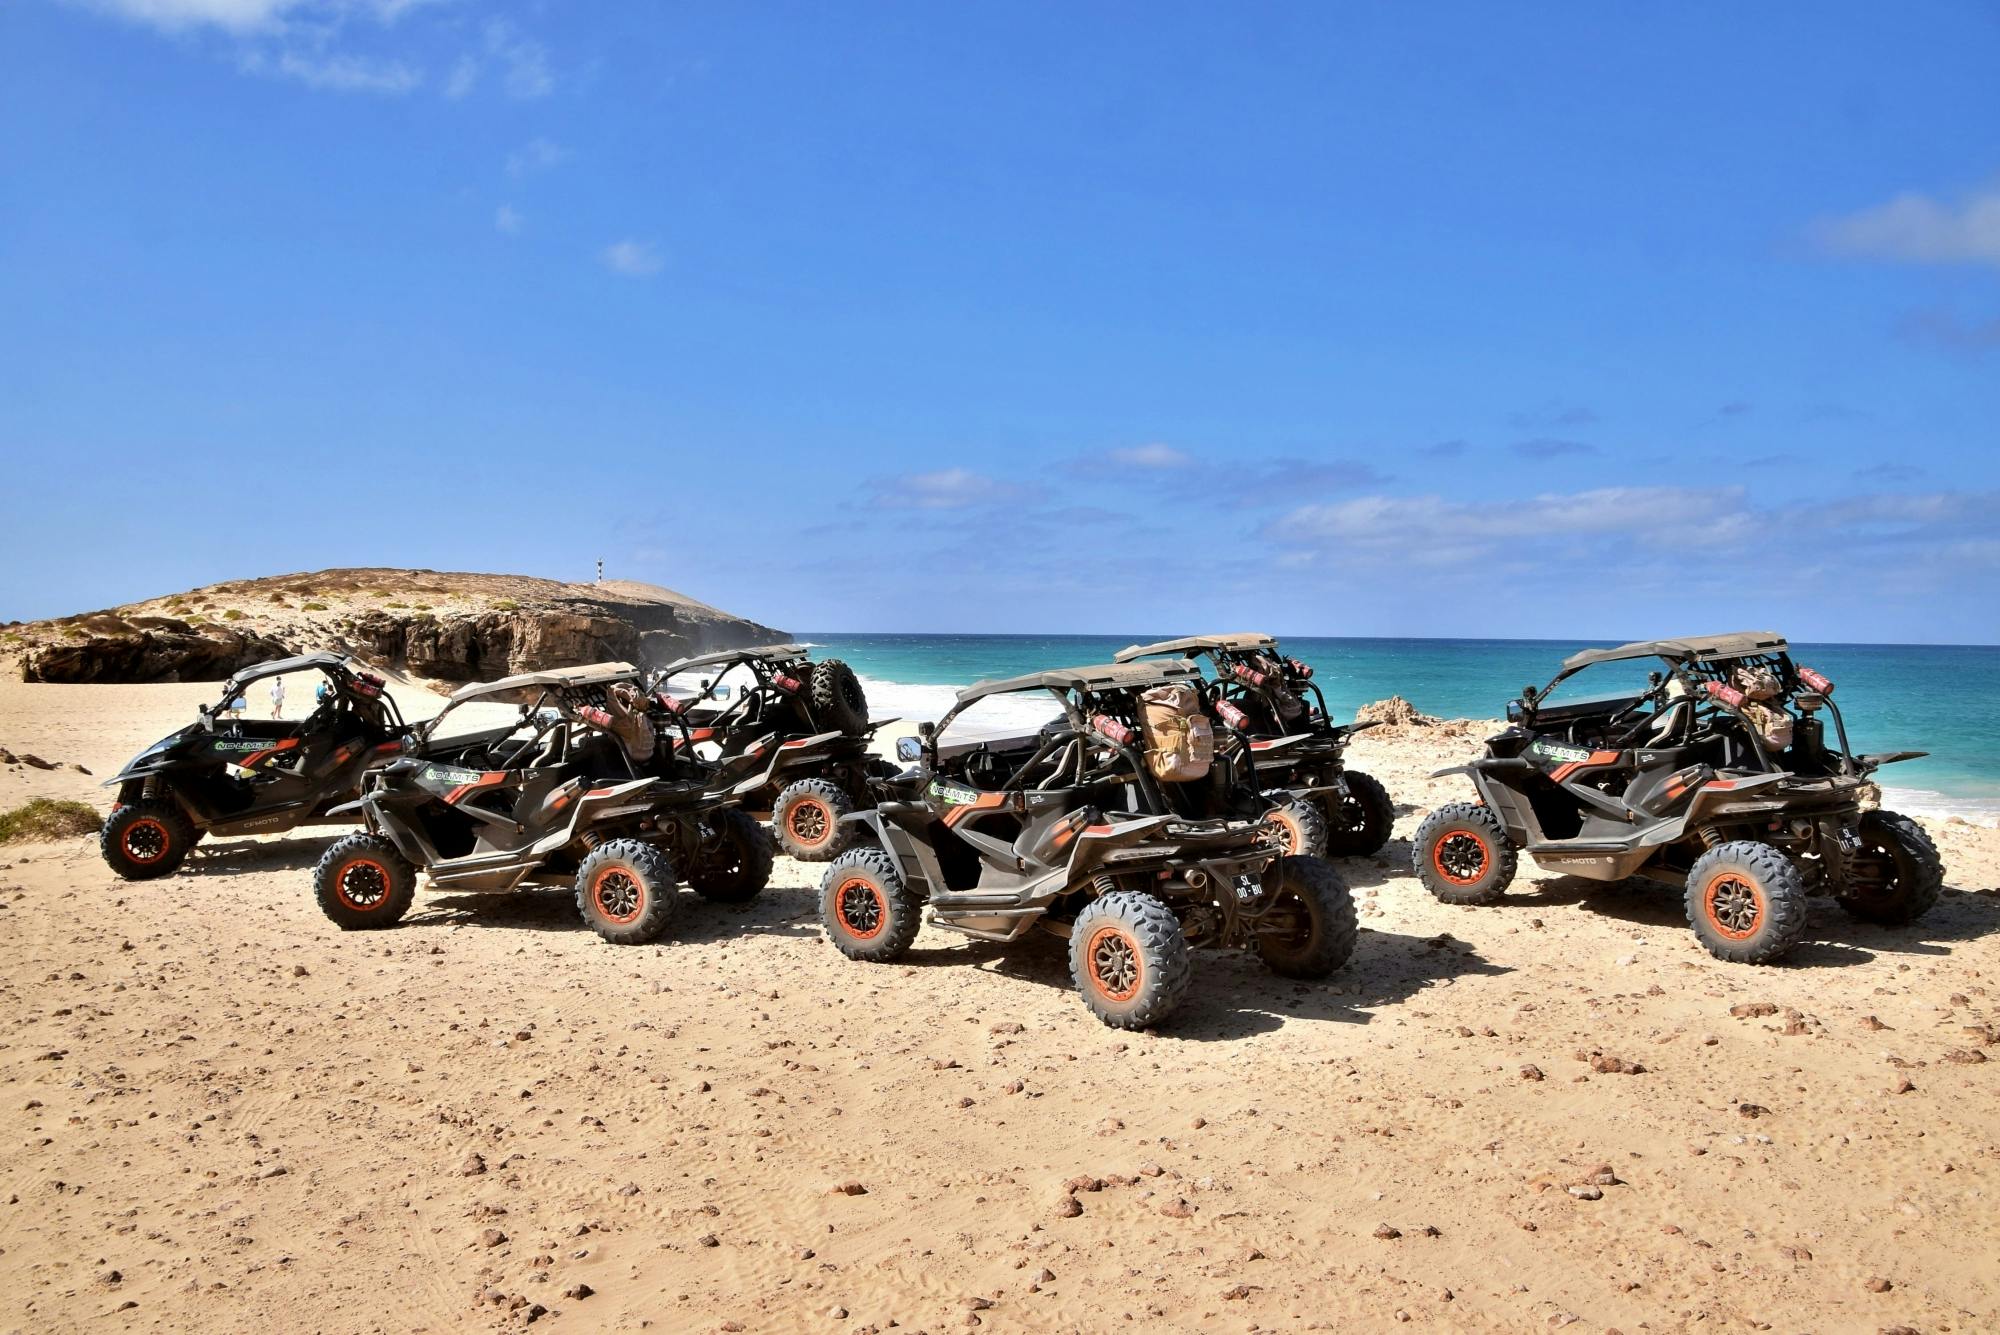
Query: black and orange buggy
1066 829
552 795
1268 705
222 775
818 771
1713 771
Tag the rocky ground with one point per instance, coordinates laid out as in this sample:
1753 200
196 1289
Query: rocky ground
219 1113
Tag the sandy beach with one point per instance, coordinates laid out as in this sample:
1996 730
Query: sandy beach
221 1113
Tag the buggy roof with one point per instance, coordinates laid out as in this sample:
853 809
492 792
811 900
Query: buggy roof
1695 648
1195 644
1100 677
593 674
777 652
279 666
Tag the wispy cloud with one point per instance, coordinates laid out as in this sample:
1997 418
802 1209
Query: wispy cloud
506 219
1552 416
1948 330
1150 456
1549 447
537 155
336 73
1919 229
520 62
634 259
944 489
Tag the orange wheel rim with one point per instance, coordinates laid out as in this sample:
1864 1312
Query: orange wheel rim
1461 857
361 884
1294 836
1734 905
146 841
1112 960
618 895
810 822
861 909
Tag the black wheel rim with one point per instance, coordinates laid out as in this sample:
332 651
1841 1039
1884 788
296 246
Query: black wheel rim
1873 874
1287 923
146 841
363 885
1462 857
859 909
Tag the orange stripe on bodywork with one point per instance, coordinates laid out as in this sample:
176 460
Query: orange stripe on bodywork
486 780
1597 758
256 756
984 802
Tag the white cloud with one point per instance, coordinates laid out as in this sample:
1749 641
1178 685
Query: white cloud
464 75
524 62
1920 229
506 220
538 154
945 489
1150 456
240 16
634 259
337 73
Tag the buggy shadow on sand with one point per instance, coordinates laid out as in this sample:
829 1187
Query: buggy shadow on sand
1716 774
1069 829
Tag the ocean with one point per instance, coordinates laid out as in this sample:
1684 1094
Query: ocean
1944 699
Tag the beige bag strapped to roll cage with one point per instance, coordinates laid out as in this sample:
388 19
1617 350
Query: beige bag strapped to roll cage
1180 742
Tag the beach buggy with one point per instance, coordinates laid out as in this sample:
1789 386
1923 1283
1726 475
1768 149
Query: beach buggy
575 790
226 775
1071 829
1716 772
1296 753
820 768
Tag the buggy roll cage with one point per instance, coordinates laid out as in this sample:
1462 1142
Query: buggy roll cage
764 661
1694 668
556 705
1227 652
1072 689
350 681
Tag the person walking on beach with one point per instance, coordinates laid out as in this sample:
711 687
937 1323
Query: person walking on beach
277 697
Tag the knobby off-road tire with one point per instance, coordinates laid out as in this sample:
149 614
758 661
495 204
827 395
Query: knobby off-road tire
1315 897
626 892
363 883
739 867
1304 827
1746 902
868 912
837 698
145 839
807 820
1903 875
1129 959
1462 856
1360 823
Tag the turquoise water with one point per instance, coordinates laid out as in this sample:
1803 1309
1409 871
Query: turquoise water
1944 699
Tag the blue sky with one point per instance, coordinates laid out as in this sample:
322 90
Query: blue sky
1574 322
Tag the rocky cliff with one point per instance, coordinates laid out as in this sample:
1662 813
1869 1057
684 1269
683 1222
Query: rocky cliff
447 626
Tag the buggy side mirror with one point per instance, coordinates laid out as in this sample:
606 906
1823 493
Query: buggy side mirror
909 749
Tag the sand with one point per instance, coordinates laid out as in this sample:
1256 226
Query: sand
217 1112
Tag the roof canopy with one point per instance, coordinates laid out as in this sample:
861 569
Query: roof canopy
1100 677
594 674
1695 648
1195 644
780 652
280 666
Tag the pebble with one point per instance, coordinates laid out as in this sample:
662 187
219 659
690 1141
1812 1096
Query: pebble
1532 1072
1069 1207
1387 1232
473 1165
1584 1191
848 1188
1177 1208
491 1237
1753 1110
1878 1285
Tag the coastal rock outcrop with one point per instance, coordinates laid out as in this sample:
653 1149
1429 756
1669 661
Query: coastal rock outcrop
449 627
